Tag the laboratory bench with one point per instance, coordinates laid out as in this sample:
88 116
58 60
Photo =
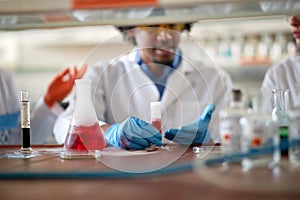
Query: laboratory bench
174 172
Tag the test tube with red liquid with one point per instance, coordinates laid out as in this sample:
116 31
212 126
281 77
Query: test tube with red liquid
155 109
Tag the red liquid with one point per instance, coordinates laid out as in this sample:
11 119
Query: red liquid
83 138
156 122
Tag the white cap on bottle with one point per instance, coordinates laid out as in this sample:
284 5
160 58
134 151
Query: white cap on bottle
155 109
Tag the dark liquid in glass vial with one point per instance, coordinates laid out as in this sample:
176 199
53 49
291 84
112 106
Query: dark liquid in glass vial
84 138
26 137
284 140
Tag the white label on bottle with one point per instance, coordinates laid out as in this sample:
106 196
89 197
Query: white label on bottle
257 136
230 132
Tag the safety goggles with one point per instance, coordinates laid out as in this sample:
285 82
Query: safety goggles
160 27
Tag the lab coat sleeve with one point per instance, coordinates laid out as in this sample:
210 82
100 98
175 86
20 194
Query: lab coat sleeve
282 75
42 121
268 84
41 124
42 117
9 103
61 126
100 89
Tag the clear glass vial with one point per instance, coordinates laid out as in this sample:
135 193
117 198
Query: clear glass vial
259 134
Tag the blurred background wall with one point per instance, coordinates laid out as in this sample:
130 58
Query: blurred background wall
245 48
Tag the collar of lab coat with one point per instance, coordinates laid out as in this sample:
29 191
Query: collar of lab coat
186 66
178 81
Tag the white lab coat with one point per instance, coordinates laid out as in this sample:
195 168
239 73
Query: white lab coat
122 89
42 118
283 75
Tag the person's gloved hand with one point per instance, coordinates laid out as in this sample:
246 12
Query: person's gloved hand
133 133
195 132
62 85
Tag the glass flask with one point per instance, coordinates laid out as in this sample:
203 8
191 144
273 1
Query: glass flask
84 136
260 137
280 115
230 129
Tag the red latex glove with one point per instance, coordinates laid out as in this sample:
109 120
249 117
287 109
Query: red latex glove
62 84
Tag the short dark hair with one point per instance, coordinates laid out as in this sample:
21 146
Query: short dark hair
187 27
124 30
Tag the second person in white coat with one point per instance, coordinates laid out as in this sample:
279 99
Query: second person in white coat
286 73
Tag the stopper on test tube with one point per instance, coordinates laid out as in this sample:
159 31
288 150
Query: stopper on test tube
24 95
155 109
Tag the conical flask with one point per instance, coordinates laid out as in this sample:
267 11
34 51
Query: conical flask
84 132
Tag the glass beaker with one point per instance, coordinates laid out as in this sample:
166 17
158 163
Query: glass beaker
84 134
280 115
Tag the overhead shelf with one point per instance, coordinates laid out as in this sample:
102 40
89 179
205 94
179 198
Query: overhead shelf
28 14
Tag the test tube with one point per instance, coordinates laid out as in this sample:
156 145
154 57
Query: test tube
25 118
156 115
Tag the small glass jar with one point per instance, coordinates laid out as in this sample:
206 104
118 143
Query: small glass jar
230 128
260 136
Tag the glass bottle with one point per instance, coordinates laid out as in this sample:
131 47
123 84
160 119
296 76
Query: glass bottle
264 47
259 134
278 49
294 136
230 129
84 134
280 115
236 47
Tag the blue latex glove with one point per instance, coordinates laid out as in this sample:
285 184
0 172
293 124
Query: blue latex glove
133 133
194 133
